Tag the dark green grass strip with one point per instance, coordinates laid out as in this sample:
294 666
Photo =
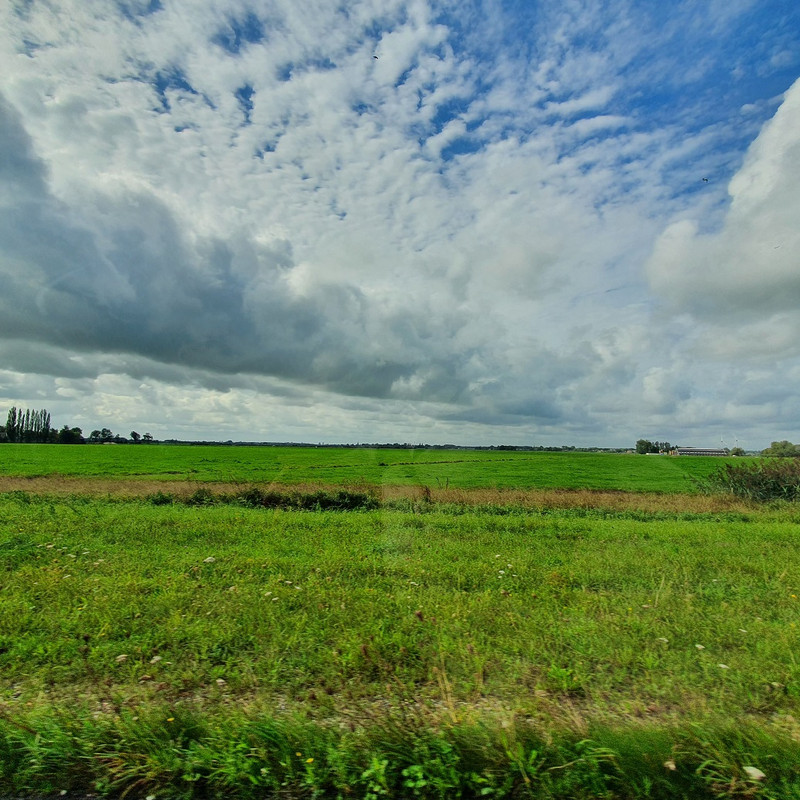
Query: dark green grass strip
171 752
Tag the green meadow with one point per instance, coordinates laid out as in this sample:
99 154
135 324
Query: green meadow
467 469
417 645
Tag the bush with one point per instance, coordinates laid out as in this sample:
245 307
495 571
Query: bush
201 497
761 482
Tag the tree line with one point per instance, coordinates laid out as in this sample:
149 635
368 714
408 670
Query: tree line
32 425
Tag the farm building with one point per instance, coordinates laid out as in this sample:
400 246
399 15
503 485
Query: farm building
700 451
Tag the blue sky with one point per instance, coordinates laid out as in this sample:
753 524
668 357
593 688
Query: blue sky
396 220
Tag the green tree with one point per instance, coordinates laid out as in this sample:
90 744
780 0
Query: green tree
644 446
69 435
135 437
31 426
782 449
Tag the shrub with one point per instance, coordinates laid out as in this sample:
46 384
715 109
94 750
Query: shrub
761 481
201 497
161 499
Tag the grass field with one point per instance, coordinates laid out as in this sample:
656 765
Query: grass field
435 645
464 469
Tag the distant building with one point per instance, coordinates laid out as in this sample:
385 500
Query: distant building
700 451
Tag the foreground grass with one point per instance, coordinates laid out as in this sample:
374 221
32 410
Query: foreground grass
425 650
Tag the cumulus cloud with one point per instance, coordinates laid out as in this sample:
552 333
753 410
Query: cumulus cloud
749 267
214 196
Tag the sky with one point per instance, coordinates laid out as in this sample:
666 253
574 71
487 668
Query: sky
550 222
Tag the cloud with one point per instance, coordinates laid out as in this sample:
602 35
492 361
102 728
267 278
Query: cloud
748 268
214 196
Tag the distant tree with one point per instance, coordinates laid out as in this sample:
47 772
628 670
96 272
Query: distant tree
30 426
646 446
737 451
69 435
106 435
782 449
135 437
148 437
95 437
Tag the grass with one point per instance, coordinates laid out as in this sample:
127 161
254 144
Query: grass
431 643
441 469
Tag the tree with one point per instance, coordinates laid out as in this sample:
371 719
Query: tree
30 426
783 449
646 446
737 451
135 437
148 437
69 435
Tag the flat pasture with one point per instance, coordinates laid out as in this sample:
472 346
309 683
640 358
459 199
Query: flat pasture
476 640
465 469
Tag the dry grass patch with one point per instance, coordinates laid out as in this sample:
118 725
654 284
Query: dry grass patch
533 499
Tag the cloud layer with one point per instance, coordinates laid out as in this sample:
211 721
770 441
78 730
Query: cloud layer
464 224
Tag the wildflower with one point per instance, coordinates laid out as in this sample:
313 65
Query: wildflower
299 755
309 761
754 773
209 560
170 719
670 765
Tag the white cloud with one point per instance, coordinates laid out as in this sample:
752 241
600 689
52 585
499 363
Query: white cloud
219 198
749 266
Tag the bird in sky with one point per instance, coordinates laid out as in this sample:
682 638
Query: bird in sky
706 180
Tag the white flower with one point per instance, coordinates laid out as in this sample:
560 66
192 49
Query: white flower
754 773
